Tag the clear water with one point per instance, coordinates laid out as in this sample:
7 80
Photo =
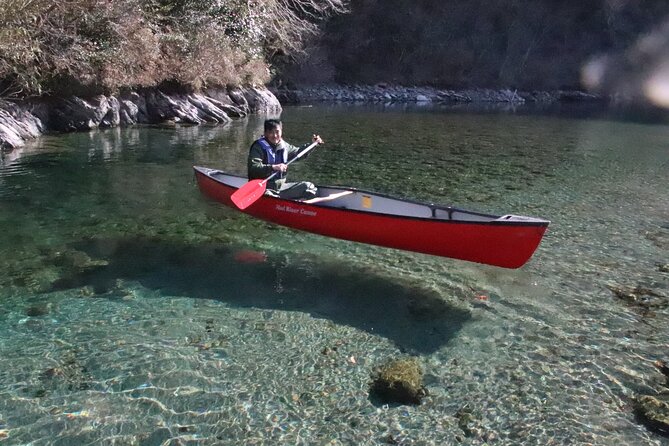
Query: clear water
133 313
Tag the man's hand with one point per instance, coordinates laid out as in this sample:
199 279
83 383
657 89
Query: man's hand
317 139
280 167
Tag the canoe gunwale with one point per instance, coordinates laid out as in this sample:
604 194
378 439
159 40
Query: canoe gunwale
491 219
508 241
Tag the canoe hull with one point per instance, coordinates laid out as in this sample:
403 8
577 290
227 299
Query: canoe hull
498 243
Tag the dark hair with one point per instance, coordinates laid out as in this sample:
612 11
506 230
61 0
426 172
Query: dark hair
271 124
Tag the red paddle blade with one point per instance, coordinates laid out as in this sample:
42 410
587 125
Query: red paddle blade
246 195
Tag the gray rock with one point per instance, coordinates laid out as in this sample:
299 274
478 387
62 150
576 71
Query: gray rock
398 94
238 99
261 100
23 121
223 101
207 109
113 117
76 113
128 112
162 108
17 124
9 137
653 411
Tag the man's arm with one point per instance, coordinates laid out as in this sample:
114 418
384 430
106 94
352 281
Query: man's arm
292 150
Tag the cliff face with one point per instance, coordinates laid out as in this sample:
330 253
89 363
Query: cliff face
524 44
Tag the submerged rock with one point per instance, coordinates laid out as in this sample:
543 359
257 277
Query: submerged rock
663 367
67 374
470 423
654 412
640 296
75 260
399 381
38 310
659 237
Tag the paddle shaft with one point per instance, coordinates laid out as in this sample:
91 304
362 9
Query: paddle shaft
298 156
254 189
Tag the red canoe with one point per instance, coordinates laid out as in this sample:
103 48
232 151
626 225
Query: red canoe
351 214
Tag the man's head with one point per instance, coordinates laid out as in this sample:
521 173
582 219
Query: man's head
273 131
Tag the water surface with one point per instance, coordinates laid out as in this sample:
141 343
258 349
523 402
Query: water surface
137 312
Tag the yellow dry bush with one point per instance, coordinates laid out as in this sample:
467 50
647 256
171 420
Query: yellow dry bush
90 46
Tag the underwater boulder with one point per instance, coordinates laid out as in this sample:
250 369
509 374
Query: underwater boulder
398 381
640 296
654 412
663 367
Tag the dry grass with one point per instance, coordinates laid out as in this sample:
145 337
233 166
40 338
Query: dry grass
64 46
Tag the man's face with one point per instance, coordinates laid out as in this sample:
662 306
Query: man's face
274 135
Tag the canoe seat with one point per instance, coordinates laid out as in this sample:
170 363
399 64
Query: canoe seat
328 197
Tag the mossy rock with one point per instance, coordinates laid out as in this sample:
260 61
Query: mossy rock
640 296
663 367
398 381
37 310
654 412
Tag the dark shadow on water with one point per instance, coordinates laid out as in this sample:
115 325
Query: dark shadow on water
584 110
415 319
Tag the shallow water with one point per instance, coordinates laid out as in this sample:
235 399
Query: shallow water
137 312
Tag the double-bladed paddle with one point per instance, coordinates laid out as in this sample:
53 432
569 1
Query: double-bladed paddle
246 195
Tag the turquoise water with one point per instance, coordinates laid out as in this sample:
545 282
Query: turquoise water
137 312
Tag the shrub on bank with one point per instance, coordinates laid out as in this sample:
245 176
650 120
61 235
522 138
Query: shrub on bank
99 46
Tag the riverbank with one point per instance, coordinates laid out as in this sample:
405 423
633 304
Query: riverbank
385 93
22 121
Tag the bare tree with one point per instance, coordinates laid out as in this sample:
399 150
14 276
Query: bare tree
289 22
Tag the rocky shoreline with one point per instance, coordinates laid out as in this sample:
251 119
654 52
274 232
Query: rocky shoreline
22 121
384 93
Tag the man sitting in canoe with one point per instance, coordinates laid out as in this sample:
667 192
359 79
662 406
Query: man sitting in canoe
271 154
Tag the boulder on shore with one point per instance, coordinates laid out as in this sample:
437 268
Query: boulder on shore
389 94
17 124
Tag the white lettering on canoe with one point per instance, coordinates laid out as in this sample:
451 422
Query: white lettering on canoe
292 210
